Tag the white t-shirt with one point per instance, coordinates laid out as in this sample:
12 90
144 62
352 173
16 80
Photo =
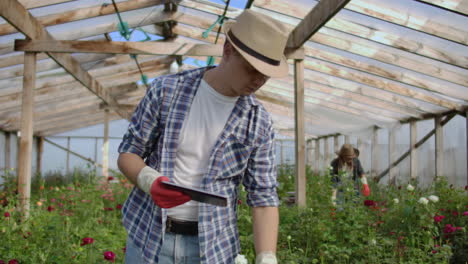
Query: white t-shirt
208 115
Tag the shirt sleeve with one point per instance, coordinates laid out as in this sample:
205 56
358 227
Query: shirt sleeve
360 170
260 179
143 128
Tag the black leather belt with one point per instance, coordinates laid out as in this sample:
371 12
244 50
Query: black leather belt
181 227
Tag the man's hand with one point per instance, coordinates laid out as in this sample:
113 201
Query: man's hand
165 197
267 257
150 181
365 187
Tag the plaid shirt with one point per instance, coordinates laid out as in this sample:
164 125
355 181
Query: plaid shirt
243 153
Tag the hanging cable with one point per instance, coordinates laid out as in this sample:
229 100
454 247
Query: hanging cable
210 61
124 32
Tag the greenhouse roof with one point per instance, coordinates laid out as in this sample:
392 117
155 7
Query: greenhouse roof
375 63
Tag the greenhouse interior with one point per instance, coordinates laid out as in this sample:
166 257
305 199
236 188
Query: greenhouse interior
389 78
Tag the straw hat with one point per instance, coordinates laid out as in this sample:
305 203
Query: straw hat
347 150
261 40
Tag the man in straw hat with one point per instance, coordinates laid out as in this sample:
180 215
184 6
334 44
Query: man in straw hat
205 129
347 167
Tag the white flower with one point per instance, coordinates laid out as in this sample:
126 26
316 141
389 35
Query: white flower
240 259
330 168
396 200
410 187
423 200
433 198
289 237
373 242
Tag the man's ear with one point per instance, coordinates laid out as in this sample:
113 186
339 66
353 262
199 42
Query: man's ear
228 49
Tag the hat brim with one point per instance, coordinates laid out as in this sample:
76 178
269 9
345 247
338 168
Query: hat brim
267 69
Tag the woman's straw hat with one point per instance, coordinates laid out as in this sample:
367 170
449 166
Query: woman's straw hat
346 151
260 40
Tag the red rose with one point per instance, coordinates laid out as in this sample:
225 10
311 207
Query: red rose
118 207
110 178
50 208
449 229
13 261
6 214
86 241
438 218
369 203
109 255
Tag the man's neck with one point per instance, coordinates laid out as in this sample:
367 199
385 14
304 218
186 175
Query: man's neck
216 78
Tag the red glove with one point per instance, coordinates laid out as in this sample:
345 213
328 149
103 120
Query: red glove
165 197
365 187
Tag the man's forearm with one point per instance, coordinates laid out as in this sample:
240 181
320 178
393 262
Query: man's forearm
265 228
130 165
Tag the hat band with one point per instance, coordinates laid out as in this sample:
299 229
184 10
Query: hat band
252 52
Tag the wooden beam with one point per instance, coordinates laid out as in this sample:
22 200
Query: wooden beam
406 18
378 69
439 147
457 6
379 83
105 145
413 151
26 138
311 23
349 44
85 13
18 16
300 139
28 4
119 47
418 144
69 125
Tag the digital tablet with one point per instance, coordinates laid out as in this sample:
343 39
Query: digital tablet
198 195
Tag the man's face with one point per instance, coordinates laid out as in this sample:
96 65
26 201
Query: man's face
245 79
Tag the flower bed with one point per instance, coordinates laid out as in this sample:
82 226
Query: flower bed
79 222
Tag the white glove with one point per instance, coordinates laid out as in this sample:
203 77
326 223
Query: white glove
146 177
266 257
363 180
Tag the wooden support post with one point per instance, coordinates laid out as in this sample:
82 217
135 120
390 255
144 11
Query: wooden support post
359 144
95 154
7 150
281 153
375 152
439 145
413 154
40 150
68 156
392 155
466 117
105 146
26 136
347 139
317 156
326 153
300 137
336 145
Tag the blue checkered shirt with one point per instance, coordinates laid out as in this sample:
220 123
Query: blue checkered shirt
244 153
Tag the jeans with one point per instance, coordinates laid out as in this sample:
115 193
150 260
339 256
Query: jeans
176 249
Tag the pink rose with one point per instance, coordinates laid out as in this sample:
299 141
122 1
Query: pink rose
6 214
465 213
109 255
87 241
